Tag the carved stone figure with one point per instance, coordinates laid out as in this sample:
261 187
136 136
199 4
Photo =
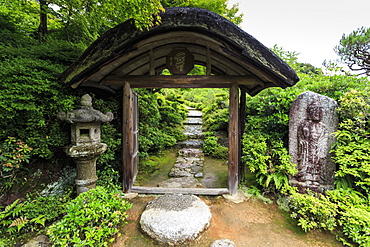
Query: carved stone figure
312 122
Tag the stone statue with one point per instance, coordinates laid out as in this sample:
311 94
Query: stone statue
312 149
312 122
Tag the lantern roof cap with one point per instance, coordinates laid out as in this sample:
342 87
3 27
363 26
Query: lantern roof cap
85 114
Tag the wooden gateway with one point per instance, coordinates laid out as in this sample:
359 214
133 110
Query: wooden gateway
125 58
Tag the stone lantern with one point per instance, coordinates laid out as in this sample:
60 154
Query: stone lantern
85 145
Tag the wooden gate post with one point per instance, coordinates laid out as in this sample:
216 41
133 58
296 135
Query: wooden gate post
242 119
233 139
129 137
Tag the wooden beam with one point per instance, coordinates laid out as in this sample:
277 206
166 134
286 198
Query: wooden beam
182 81
233 139
208 61
151 61
194 191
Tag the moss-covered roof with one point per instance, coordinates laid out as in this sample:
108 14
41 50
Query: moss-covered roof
125 50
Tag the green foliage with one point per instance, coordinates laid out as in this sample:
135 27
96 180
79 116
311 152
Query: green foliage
266 133
160 115
13 155
354 50
353 143
313 212
268 159
31 96
108 177
82 21
32 215
212 147
345 212
92 219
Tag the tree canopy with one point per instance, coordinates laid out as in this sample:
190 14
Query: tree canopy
354 50
82 21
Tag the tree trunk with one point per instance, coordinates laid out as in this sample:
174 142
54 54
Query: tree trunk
43 27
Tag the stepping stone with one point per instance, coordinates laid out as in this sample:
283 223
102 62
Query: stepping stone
177 173
183 165
181 183
193 160
175 219
223 243
191 152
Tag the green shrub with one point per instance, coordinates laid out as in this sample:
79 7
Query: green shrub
345 212
209 145
31 95
213 148
108 177
92 219
21 219
353 216
217 120
268 159
13 155
313 211
355 224
353 141
159 121
221 152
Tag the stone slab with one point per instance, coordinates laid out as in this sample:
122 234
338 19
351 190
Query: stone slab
175 219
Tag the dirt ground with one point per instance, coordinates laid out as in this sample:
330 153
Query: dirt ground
251 223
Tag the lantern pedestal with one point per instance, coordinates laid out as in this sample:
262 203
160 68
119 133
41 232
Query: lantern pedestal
85 158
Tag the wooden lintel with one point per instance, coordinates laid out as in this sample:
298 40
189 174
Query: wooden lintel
194 191
180 81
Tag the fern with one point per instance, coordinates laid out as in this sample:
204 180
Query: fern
8 210
19 223
39 220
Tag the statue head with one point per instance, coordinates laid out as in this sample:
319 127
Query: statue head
314 111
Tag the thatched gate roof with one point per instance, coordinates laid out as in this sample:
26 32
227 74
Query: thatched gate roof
215 42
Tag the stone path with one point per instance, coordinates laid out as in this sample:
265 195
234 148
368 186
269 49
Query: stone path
177 219
193 130
189 163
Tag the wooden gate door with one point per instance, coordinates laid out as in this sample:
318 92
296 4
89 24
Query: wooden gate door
130 137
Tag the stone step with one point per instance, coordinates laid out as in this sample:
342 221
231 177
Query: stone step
193 121
194 113
194 143
194 131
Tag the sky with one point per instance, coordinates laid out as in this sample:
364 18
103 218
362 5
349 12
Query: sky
310 27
